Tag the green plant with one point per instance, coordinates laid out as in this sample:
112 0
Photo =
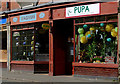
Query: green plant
83 55
91 49
94 59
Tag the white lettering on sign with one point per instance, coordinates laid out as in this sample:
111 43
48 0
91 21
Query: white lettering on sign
83 10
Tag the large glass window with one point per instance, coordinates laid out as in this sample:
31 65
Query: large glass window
41 43
31 43
96 43
23 45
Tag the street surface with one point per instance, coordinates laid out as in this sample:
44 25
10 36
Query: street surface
29 77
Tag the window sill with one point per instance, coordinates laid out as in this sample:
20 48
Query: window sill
95 65
29 62
22 62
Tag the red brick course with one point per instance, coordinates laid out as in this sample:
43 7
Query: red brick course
3 6
3 64
25 67
91 71
14 5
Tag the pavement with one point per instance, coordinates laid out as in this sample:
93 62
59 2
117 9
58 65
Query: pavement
12 76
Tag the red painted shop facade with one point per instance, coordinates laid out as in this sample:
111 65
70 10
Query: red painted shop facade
81 39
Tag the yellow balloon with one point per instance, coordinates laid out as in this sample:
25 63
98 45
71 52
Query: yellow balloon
86 34
113 30
117 37
83 39
32 42
92 29
114 34
109 27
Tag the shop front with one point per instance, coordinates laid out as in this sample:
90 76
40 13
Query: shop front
3 37
96 43
30 42
79 39
95 33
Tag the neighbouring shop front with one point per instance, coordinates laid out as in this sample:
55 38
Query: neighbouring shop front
3 37
30 42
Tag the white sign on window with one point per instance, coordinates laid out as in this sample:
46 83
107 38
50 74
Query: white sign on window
83 10
109 59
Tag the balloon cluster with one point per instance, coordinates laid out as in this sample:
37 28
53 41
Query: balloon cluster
88 34
109 28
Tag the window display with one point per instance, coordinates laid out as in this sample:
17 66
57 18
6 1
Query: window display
30 43
22 49
97 42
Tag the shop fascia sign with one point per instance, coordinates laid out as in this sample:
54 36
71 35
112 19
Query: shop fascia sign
3 20
83 10
28 17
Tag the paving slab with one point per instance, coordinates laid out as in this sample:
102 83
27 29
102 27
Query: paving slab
30 77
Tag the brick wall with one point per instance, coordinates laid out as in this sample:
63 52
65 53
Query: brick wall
44 1
14 5
22 67
41 68
4 7
3 64
30 67
91 71
0 6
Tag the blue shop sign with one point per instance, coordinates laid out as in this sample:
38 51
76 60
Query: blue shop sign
28 17
3 21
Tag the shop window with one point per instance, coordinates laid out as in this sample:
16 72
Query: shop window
4 27
0 28
19 27
80 20
31 26
89 19
25 26
100 18
41 44
96 43
112 17
23 45
14 27
4 40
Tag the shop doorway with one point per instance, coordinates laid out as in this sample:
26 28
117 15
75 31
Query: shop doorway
63 46
3 49
4 40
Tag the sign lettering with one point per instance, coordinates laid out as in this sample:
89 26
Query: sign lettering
83 10
28 17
